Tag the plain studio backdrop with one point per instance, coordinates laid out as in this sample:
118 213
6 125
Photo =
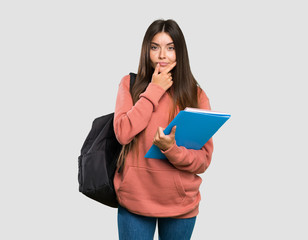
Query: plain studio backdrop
60 66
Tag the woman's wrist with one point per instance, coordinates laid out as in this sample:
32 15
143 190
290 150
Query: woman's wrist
168 147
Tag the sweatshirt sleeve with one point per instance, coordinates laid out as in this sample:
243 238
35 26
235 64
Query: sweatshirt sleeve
195 161
129 119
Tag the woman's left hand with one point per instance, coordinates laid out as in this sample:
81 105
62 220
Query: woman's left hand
162 141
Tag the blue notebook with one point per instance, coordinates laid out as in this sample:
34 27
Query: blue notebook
194 127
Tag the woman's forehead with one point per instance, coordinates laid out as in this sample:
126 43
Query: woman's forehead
162 38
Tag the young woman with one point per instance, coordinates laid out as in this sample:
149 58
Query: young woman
155 190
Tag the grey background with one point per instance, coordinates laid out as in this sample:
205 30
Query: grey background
60 66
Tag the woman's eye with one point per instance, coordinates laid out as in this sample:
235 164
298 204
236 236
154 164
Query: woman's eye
171 48
153 47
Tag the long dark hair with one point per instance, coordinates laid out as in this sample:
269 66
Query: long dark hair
184 89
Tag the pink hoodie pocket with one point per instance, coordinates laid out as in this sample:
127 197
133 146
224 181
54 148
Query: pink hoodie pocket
152 188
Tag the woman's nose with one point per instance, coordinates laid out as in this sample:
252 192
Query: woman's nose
162 54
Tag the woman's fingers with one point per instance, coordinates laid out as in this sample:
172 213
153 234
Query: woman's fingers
156 69
164 78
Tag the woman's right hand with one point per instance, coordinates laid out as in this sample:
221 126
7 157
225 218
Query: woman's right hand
164 78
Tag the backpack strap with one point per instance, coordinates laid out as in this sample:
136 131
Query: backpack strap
132 80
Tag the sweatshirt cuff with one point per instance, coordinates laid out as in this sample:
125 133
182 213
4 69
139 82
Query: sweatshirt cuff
153 93
173 153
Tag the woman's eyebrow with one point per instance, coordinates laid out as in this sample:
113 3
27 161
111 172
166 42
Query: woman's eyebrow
158 44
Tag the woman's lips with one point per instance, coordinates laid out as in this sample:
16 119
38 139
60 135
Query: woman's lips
163 64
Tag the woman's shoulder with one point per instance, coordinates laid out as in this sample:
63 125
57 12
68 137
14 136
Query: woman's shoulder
202 94
203 99
125 81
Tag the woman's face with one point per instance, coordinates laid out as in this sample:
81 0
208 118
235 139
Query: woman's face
162 50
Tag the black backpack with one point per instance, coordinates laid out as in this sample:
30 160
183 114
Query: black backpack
98 160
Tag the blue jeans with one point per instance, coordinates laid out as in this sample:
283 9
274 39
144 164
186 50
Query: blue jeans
137 227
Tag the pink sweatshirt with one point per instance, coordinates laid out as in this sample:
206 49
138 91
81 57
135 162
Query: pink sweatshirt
155 187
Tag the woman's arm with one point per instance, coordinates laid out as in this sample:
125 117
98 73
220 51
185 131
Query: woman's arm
195 161
129 119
